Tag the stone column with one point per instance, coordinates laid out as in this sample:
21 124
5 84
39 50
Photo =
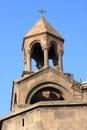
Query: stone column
60 65
28 60
45 50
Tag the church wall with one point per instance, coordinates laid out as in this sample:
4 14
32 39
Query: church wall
73 117
63 103
25 121
26 86
64 118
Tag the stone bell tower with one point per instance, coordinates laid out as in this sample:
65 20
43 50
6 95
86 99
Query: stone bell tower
46 99
42 43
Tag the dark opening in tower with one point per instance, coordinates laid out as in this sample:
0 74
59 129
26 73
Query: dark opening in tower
37 55
46 94
52 55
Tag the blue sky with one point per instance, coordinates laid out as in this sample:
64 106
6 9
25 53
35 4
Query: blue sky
68 17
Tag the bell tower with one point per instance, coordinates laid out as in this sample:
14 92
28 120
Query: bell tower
43 43
46 99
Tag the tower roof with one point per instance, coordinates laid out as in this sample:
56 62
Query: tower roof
42 26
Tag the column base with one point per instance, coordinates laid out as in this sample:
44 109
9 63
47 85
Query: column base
59 68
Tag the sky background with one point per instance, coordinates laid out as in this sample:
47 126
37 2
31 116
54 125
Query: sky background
68 17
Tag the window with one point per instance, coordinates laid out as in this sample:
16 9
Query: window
22 122
46 94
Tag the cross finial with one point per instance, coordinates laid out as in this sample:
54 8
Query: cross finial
41 11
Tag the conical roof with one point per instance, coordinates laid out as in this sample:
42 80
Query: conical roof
42 26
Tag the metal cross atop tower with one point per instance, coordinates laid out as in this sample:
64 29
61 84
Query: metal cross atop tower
41 11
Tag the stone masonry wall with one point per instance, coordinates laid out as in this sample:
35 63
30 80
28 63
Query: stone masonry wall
66 117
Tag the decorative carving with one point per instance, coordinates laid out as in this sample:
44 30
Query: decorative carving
50 76
45 47
50 95
60 52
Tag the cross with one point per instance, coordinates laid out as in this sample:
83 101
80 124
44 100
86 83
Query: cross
41 11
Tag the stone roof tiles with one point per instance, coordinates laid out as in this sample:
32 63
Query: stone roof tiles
42 26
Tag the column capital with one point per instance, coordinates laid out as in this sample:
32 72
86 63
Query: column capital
44 47
60 52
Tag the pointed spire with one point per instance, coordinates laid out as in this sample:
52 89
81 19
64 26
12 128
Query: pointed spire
42 26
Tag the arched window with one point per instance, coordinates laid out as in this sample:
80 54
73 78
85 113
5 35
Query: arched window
46 94
37 55
52 55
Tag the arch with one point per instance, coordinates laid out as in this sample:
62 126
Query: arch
32 43
46 94
52 53
37 54
54 44
63 92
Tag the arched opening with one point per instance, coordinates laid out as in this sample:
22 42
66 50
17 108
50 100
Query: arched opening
34 64
37 55
46 94
35 92
52 55
51 63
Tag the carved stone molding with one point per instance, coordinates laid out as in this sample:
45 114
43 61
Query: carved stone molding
60 52
45 47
